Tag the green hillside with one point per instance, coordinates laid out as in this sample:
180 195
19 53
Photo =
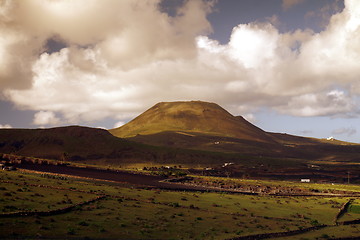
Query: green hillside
97 146
71 143
191 117
208 127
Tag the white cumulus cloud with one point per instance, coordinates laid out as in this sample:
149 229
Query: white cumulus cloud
121 57
5 126
330 103
45 118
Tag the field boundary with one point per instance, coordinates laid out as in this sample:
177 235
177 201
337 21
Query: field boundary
225 190
51 212
342 211
278 234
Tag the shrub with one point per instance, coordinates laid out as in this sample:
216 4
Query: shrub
83 223
314 222
7 194
325 236
71 231
9 208
175 204
193 207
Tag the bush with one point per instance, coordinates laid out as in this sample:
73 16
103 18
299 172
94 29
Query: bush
180 174
175 204
83 223
314 222
7 194
10 208
71 231
325 236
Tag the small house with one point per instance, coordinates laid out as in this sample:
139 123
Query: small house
227 164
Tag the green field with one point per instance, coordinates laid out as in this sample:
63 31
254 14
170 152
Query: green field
350 231
130 213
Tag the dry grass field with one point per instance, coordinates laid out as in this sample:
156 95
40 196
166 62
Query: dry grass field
128 212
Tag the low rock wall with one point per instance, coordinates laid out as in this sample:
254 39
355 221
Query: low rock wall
278 234
51 212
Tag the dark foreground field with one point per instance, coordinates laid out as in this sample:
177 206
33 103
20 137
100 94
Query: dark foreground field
56 206
196 183
135 179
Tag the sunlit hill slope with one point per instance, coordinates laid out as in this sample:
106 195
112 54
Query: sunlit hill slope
191 117
207 126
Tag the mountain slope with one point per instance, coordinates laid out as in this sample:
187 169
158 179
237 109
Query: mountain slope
180 132
192 117
96 146
208 127
73 143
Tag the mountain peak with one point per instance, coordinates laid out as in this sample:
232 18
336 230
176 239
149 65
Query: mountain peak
191 117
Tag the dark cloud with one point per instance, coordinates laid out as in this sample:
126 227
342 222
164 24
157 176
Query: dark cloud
287 4
54 45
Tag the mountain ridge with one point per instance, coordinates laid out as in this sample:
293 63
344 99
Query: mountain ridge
70 142
208 127
95 146
177 132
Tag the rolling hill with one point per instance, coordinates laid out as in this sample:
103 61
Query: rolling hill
193 117
73 143
208 127
178 132
198 125
95 146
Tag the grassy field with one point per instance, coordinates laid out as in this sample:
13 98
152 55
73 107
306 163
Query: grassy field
353 211
350 231
130 213
275 183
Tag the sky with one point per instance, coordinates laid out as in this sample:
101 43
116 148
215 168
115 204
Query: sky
290 66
